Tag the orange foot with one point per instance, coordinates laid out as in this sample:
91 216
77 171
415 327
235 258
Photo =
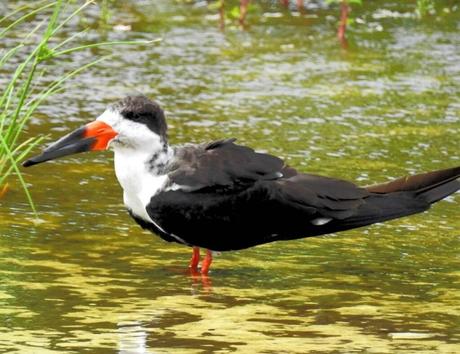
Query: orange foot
205 265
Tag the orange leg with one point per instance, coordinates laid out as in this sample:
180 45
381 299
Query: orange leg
206 262
195 258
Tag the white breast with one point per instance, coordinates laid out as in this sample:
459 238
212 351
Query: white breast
138 183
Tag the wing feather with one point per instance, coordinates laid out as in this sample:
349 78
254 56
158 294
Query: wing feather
333 198
222 164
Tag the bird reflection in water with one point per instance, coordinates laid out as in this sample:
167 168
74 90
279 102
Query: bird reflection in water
202 276
200 279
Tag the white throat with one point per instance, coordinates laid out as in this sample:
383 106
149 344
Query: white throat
139 179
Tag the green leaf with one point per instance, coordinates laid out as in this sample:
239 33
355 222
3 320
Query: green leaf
235 12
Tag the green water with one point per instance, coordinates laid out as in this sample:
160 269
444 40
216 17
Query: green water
87 279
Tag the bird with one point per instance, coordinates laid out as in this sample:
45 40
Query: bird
222 196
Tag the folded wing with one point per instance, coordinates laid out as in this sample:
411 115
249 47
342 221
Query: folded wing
222 165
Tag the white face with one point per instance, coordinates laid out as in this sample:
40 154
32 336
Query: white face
131 135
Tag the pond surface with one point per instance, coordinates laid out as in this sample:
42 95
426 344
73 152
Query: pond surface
88 279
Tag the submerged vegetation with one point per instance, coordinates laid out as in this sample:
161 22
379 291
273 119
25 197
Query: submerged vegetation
20 99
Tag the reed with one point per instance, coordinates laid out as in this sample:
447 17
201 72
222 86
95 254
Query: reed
19 100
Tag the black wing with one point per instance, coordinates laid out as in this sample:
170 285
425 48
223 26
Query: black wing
222 165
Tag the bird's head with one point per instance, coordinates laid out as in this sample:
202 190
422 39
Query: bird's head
132 123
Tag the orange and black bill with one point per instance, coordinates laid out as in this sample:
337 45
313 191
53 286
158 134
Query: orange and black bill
93 136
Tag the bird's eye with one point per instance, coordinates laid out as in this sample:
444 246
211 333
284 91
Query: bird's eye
132 116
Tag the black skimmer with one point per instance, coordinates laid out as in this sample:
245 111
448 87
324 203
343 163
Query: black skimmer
222 196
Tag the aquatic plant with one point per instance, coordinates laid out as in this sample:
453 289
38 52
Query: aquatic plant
424 7
240 11
344 17
19 100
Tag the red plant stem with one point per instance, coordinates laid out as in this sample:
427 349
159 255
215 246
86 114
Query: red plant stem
300 5
222 15
243 10
344 11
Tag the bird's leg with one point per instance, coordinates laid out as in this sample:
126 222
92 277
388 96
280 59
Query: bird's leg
195 258
206 262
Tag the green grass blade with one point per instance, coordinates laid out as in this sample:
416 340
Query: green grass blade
52 22
28 145
23 94
71 38
20 9
72 15
55 84
25 17
104 44
9 54
15 167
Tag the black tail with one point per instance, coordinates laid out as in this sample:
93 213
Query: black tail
403 196
429 187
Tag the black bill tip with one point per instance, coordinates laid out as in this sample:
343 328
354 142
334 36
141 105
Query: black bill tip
30 162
